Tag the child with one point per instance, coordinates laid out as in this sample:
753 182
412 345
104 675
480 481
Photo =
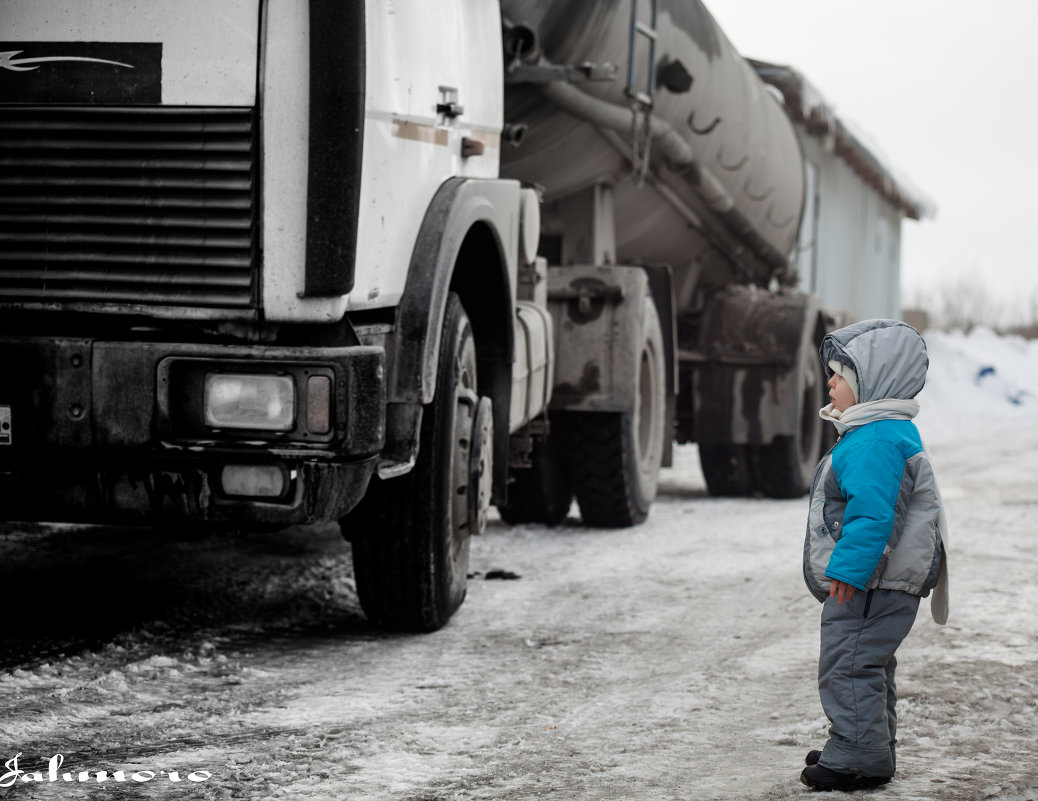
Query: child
876 539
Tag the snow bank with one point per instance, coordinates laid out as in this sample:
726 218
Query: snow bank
979 386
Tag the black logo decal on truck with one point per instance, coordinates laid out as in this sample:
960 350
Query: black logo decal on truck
97 73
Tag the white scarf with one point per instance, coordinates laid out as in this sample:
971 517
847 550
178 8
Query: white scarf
862 413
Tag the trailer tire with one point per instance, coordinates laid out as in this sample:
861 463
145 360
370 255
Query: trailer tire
615 457
784 468
727 469
543 492
411 534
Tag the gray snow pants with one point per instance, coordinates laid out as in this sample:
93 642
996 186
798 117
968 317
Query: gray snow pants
856 678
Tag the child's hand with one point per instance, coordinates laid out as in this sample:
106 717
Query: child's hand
840 591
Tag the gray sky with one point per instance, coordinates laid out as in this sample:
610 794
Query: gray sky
947 91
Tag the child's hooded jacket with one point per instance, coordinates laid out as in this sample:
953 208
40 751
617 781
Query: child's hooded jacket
876 518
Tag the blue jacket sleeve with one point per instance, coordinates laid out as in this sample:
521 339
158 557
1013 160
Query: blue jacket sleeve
869 473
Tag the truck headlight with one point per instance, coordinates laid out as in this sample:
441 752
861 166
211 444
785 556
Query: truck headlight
238 400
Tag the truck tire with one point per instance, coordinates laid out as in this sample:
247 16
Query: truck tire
410 534
784 468
543 492
615 456
727 469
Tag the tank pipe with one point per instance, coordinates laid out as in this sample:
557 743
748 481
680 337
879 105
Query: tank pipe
677 153
618 118
686 212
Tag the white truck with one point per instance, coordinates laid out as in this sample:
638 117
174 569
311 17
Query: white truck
268 262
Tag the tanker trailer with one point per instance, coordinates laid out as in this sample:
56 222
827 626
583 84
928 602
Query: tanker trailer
653 142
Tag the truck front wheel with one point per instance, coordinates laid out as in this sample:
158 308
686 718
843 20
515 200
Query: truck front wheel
410 534
615 457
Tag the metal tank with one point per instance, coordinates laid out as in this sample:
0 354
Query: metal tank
704 167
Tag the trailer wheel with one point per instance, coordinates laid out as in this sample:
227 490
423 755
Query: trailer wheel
411 534
784 468
615 457
726 468
543 492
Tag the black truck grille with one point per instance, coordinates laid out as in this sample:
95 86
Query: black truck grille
130 206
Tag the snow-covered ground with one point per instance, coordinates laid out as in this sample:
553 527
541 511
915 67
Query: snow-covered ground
671 661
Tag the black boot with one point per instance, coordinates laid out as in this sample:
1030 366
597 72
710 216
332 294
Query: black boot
819 778
812 757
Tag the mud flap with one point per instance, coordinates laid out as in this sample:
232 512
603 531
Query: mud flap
757 390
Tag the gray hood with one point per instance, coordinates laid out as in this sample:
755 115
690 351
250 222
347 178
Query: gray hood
888 358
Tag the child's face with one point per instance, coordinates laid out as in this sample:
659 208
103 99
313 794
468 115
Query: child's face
840 393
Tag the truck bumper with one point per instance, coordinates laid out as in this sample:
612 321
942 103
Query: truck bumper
114 432
135 490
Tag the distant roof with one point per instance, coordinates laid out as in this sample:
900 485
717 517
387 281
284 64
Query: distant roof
806 105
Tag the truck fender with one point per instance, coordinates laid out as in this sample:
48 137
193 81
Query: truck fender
460 207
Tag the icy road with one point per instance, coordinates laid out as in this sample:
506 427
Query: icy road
672 661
